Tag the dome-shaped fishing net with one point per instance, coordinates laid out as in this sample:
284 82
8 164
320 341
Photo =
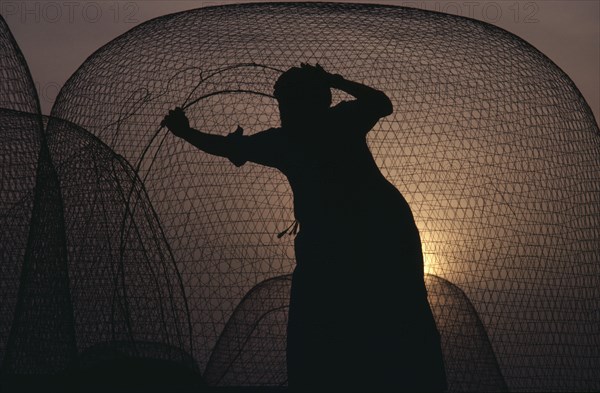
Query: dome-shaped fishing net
490 142
78 271
20 138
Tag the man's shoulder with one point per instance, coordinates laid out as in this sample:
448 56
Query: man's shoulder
271 137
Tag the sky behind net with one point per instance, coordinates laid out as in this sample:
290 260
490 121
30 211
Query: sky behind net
492 145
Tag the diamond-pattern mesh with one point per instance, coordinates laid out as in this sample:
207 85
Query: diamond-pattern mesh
490 142
78 269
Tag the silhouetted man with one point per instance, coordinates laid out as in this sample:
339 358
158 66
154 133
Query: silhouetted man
359 319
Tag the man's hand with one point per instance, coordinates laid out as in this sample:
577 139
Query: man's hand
320 73
177 122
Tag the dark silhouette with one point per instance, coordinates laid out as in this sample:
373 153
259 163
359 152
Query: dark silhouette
359 317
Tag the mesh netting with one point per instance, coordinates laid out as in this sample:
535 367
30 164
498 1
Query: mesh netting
20 138
16 84
251 350
41 333
490 142
21 135
124 282
19 145
96 285
79 271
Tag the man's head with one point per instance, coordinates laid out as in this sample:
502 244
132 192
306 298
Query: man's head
301 93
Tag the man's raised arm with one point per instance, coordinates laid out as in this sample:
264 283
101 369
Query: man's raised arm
177 122
372 100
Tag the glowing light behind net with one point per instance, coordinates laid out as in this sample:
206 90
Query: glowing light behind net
491 143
